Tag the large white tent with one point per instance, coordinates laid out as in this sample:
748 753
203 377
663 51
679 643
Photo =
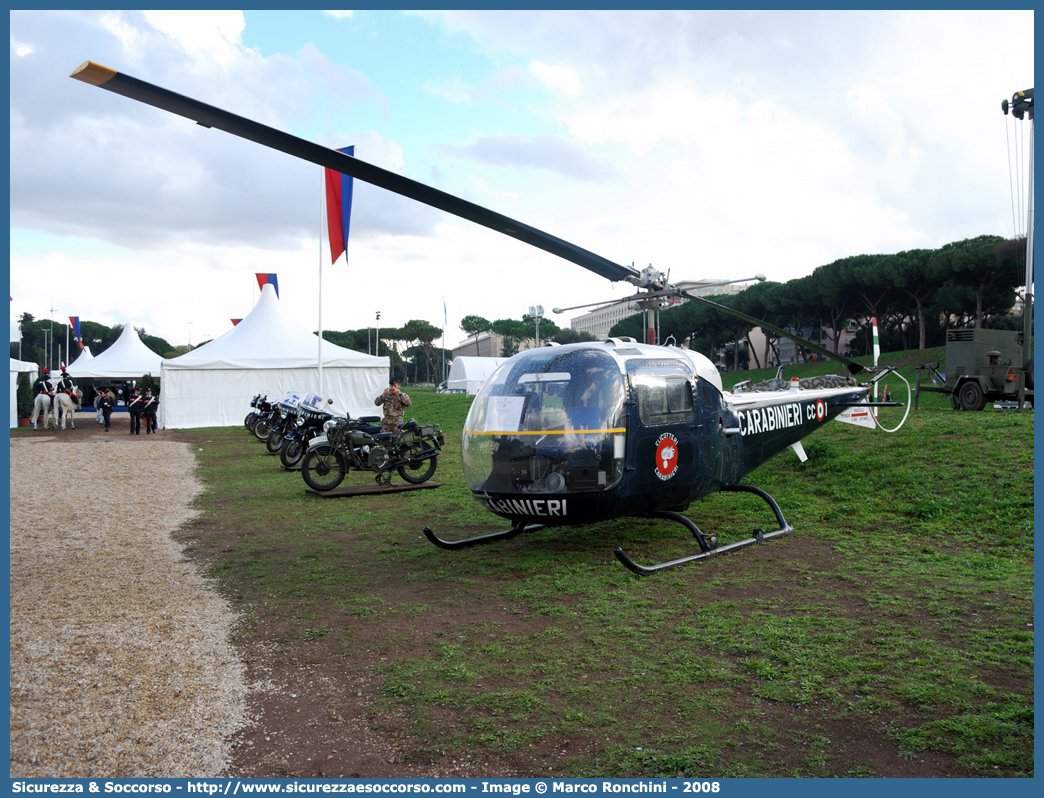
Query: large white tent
468 373
17 367
265 353
81 360
127 359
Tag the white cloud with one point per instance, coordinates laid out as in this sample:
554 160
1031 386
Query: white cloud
561 78
204 35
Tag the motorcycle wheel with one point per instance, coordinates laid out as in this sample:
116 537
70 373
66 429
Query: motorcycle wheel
262 427
323 468
290 454
274 441
247 420
251 420
418 471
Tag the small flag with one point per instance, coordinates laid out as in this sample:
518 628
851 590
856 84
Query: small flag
236 321
339 208
75 321
267 279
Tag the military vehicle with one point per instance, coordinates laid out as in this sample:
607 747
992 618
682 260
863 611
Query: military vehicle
981 366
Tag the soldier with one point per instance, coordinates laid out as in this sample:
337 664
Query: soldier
150 404
395 403
66 385
105 402
44 388
134 408
46 385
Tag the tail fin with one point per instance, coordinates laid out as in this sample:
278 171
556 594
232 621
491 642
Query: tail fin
858 416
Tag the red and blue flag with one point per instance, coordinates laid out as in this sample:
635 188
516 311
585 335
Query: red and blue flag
267 279
75 322
339 208
236 321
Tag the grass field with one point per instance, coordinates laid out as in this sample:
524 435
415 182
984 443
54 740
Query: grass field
890 635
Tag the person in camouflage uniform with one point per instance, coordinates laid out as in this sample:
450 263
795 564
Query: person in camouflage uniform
395 403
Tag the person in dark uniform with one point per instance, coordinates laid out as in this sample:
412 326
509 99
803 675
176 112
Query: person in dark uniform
150 404
46 384
105 402
67 386
45 387
134 407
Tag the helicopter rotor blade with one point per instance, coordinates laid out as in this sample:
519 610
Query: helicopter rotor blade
851 365
607 303
209 116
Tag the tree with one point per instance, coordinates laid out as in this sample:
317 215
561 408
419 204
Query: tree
548 328
475 325
909 272
975 266
425 333
24 396
835 298
513 332
153 342
568 335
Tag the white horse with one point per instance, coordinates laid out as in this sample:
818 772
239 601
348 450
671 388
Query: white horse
65 407
43 405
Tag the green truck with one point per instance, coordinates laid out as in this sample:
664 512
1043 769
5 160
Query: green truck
981 366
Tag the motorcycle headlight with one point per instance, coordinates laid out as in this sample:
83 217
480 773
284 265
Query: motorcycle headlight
327 425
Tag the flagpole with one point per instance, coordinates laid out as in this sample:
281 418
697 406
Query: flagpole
322 192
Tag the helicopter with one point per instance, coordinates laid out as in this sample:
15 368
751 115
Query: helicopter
569 435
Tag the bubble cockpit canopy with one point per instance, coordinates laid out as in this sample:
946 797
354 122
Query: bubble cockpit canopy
550 420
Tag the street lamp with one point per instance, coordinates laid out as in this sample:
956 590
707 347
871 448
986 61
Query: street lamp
377 335
536 312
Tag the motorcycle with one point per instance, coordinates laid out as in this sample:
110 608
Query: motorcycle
274 415
309 424
289 408
261 406
345 446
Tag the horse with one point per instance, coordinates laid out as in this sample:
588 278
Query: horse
65 407
43 405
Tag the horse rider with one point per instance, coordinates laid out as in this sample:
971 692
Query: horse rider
134 407
67 386
149 407
46 387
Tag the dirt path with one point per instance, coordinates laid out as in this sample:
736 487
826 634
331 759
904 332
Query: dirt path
120 661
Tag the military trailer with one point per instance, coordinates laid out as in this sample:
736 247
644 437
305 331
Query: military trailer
981 366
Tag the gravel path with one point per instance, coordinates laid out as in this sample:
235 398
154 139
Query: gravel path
120 661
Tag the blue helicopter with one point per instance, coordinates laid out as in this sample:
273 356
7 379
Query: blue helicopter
583 433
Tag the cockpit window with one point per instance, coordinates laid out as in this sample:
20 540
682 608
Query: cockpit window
550 422
663 399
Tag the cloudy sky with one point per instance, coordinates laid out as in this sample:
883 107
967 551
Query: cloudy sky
712 144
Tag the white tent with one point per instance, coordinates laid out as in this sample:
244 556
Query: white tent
17 367
468 373
127 359
265 353
82 358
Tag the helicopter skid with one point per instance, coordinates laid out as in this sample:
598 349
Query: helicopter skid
517 529
708 548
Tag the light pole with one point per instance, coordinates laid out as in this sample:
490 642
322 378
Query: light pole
377 335
1021 106
536 312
